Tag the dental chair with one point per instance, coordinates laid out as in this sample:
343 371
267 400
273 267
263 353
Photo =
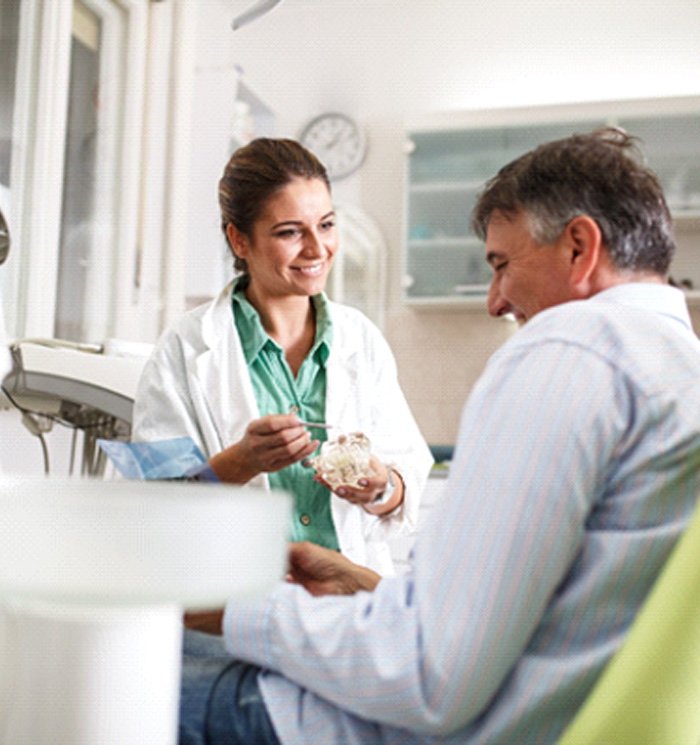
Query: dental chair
88 388
649 694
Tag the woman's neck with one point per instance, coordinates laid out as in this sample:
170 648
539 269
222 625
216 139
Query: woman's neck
290 321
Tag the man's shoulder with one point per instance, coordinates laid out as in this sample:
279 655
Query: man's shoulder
576 320
648 342
587 327
596 317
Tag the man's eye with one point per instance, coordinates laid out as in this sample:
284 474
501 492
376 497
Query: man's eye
498 267
287 233
328 225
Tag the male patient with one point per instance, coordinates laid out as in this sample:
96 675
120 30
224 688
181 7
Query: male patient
577 466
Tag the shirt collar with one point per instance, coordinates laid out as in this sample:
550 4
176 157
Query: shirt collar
253 336
250 329
654 296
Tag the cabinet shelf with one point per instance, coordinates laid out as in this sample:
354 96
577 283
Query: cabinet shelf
444 242
472 303
471 289
437 187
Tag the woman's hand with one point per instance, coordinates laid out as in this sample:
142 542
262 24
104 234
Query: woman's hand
370 488
325 572
269 444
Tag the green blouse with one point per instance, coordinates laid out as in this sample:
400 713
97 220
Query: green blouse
276 391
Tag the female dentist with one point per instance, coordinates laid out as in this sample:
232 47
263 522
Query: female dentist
245 374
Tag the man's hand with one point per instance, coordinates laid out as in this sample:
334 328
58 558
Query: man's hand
210 622
325 572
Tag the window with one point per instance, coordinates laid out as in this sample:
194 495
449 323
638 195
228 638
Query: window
99 109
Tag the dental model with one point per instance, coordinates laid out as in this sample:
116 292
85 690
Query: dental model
343 461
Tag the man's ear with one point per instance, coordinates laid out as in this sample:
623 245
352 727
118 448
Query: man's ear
237 241
584 243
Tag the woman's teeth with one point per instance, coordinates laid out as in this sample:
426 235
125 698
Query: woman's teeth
312 271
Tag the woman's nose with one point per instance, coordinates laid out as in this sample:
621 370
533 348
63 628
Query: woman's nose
314 245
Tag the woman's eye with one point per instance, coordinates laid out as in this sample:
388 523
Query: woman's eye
287 233
328 225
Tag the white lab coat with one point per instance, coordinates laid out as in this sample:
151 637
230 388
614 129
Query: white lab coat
197 383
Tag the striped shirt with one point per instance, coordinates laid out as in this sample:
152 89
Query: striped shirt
576 468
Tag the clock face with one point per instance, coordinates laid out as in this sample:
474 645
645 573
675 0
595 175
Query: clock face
337 142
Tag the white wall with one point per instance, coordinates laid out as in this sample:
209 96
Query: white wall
386 61
391 58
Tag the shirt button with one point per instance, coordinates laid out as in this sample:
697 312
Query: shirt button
305 519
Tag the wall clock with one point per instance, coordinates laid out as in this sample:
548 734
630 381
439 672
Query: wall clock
338 142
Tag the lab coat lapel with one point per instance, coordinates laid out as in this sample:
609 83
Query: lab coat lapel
343 394
222 373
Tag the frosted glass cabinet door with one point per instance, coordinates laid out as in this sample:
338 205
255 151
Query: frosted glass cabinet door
671 145
445 172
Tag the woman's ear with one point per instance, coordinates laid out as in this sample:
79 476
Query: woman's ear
584 242
237 241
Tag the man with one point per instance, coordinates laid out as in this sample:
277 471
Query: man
576 468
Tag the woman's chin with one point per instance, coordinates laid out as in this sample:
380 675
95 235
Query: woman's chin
312 285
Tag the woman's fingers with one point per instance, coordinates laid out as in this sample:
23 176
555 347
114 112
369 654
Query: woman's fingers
278 440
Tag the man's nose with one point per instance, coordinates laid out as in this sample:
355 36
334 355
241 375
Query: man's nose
496 304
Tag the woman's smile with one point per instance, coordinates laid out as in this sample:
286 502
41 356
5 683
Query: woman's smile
311 270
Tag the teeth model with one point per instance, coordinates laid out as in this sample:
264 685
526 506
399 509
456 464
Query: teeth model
343 461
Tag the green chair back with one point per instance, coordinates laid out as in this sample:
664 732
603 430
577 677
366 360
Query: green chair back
649 694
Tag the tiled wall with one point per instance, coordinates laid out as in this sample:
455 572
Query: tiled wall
439 356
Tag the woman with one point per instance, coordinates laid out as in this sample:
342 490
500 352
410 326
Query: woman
245 373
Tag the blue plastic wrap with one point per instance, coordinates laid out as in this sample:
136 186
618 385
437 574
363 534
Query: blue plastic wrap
178 458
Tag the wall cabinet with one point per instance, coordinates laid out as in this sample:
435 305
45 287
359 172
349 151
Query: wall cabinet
450 156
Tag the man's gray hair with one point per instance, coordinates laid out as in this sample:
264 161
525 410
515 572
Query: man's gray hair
601 175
